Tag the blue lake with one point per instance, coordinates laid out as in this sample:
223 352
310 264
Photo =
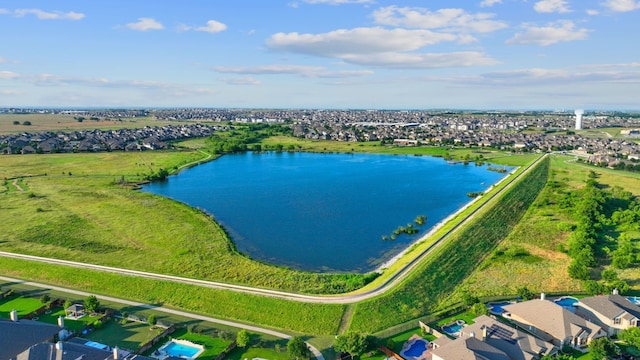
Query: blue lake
325 212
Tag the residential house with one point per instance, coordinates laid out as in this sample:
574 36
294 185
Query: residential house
553 323
467 348
612 312
517 344
19 335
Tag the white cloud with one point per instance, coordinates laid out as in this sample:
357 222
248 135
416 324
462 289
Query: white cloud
447 19
246 80
489 3
552 6
553 33
4 11
339 2
549 76
356 41
622 5
592 12
299 70
145 24
2 60
212 27
423 61
53 15
8 75
393 48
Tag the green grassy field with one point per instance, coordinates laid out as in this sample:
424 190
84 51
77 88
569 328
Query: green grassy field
67 123
72 207
126 336
303 318
75 325
23 305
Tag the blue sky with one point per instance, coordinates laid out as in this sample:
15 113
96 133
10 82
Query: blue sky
364 54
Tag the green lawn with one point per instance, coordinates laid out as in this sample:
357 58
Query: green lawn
126 336
255 352
75 325
23 305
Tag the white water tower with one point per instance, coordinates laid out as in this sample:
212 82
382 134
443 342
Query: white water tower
579 113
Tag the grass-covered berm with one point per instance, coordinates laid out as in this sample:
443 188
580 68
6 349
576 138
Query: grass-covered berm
81 207
450 264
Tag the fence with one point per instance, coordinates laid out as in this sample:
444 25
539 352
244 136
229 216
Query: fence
148 345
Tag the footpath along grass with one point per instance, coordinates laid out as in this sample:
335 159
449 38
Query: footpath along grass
303 318
453 262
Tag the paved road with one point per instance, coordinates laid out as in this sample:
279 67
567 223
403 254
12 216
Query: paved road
325 299
315 351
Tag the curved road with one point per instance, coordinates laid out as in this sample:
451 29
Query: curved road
327 299
315 351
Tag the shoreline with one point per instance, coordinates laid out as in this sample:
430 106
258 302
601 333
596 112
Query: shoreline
380 269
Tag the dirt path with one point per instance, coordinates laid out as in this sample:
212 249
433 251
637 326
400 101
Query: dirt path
15 183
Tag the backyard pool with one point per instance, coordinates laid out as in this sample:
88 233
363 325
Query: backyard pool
416 348
634 299
181 348
567 302
496 308
454 328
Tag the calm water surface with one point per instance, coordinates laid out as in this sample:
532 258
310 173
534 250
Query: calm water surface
325 212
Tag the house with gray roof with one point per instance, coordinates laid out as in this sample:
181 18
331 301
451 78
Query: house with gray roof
553 323
467 348
19 335
517 344
613 313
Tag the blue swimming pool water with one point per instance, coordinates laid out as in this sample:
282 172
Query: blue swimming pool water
452 329
175 349
417 348
497 307
634 299
567 303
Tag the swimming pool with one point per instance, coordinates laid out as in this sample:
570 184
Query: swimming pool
567 302
182 348
496 308
416 348
634 299
454 328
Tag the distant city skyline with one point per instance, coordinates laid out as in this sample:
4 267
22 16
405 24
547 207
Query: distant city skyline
364 54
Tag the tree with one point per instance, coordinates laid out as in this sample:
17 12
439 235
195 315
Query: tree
352 343
45 298
469 300
631 336
609 275
91 304
524 293
603 348
242 338
478 309
67 303
297 348
578 271
26 123
151 320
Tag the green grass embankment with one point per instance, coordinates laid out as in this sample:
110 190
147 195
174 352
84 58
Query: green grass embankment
451 263
303 318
